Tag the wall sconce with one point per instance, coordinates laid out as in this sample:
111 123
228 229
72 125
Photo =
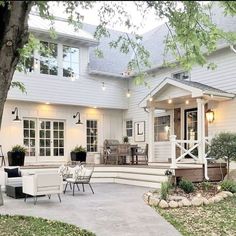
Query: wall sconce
78 122
17 119
210 115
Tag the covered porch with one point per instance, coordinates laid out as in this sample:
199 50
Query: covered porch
180 112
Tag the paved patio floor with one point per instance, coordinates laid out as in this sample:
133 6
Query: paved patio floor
114 210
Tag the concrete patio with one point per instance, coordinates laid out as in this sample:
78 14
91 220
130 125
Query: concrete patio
114 209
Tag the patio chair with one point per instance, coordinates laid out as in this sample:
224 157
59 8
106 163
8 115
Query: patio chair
110 150
81 175
42 184
139 152
123 151
2 156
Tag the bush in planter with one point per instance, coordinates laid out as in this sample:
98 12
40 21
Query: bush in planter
79 153
125 139
16 157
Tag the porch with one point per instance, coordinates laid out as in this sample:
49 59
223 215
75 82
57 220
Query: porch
179 115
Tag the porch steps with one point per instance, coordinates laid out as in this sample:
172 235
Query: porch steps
139 176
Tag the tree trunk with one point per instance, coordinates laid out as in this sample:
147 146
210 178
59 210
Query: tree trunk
13 36
228 165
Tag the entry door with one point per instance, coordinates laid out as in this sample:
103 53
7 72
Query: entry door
51 138
190 124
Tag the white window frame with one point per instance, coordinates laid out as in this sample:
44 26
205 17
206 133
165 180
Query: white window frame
126 129
97 135
154 126
29 137
37 137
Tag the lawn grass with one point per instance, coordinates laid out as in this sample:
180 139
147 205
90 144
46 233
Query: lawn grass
218 219
31 226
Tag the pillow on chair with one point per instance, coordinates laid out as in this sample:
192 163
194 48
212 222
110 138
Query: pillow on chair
13 172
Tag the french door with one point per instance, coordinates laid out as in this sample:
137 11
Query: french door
51 138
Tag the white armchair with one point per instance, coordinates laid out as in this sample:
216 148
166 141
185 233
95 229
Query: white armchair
42 184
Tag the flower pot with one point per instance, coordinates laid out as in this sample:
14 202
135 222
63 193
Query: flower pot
78 156
16 158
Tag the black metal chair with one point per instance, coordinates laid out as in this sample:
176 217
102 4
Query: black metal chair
80 177
2 157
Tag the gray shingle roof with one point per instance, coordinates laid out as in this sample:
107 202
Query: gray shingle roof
198 85
116 62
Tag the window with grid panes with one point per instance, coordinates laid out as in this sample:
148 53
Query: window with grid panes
48 58
29 136
58 138
92 135
70 61
161 128
129 128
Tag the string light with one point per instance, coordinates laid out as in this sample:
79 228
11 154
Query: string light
169 101
128 94
103 86
187 102
150 98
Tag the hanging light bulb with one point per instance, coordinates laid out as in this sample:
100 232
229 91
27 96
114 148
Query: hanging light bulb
103 86
73 78
150 99
187 102
36 64
169 101
128 94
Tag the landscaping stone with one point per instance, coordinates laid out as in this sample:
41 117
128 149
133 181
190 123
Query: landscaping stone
205 201
222 194
163 204
154 200
173 204
197 201
217 198
211 200
176 198
228 193
180 204
146 198
186 202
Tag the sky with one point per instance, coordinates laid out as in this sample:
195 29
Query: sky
91 16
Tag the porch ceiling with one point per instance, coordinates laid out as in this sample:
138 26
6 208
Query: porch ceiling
178 91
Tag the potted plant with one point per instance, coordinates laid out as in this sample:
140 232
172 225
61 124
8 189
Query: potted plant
125 139
79 153
16 157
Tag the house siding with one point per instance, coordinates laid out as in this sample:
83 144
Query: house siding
110 123
223 77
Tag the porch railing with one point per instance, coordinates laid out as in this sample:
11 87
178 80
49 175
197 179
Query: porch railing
187 147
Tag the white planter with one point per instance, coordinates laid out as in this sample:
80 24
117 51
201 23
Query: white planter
97 159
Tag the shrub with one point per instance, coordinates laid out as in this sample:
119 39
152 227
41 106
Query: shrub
79 149
165 189
228 185
186 185
18 148
206 185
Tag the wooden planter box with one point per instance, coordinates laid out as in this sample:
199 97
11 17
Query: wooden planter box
16 158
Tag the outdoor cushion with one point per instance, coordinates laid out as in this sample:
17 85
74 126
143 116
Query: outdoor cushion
12 173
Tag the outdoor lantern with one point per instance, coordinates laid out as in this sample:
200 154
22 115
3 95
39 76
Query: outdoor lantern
78 122
210 116
17 119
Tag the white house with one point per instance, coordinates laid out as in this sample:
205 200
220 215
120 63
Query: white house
172 107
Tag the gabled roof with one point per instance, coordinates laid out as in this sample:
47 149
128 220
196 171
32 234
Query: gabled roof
196 89
39 25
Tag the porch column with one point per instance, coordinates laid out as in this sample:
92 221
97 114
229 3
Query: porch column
201 128
151 134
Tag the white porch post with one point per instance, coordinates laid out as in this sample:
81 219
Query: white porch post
151 134
173 151
201 129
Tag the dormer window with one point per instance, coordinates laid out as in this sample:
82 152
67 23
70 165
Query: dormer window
181 75
70 61
48 58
